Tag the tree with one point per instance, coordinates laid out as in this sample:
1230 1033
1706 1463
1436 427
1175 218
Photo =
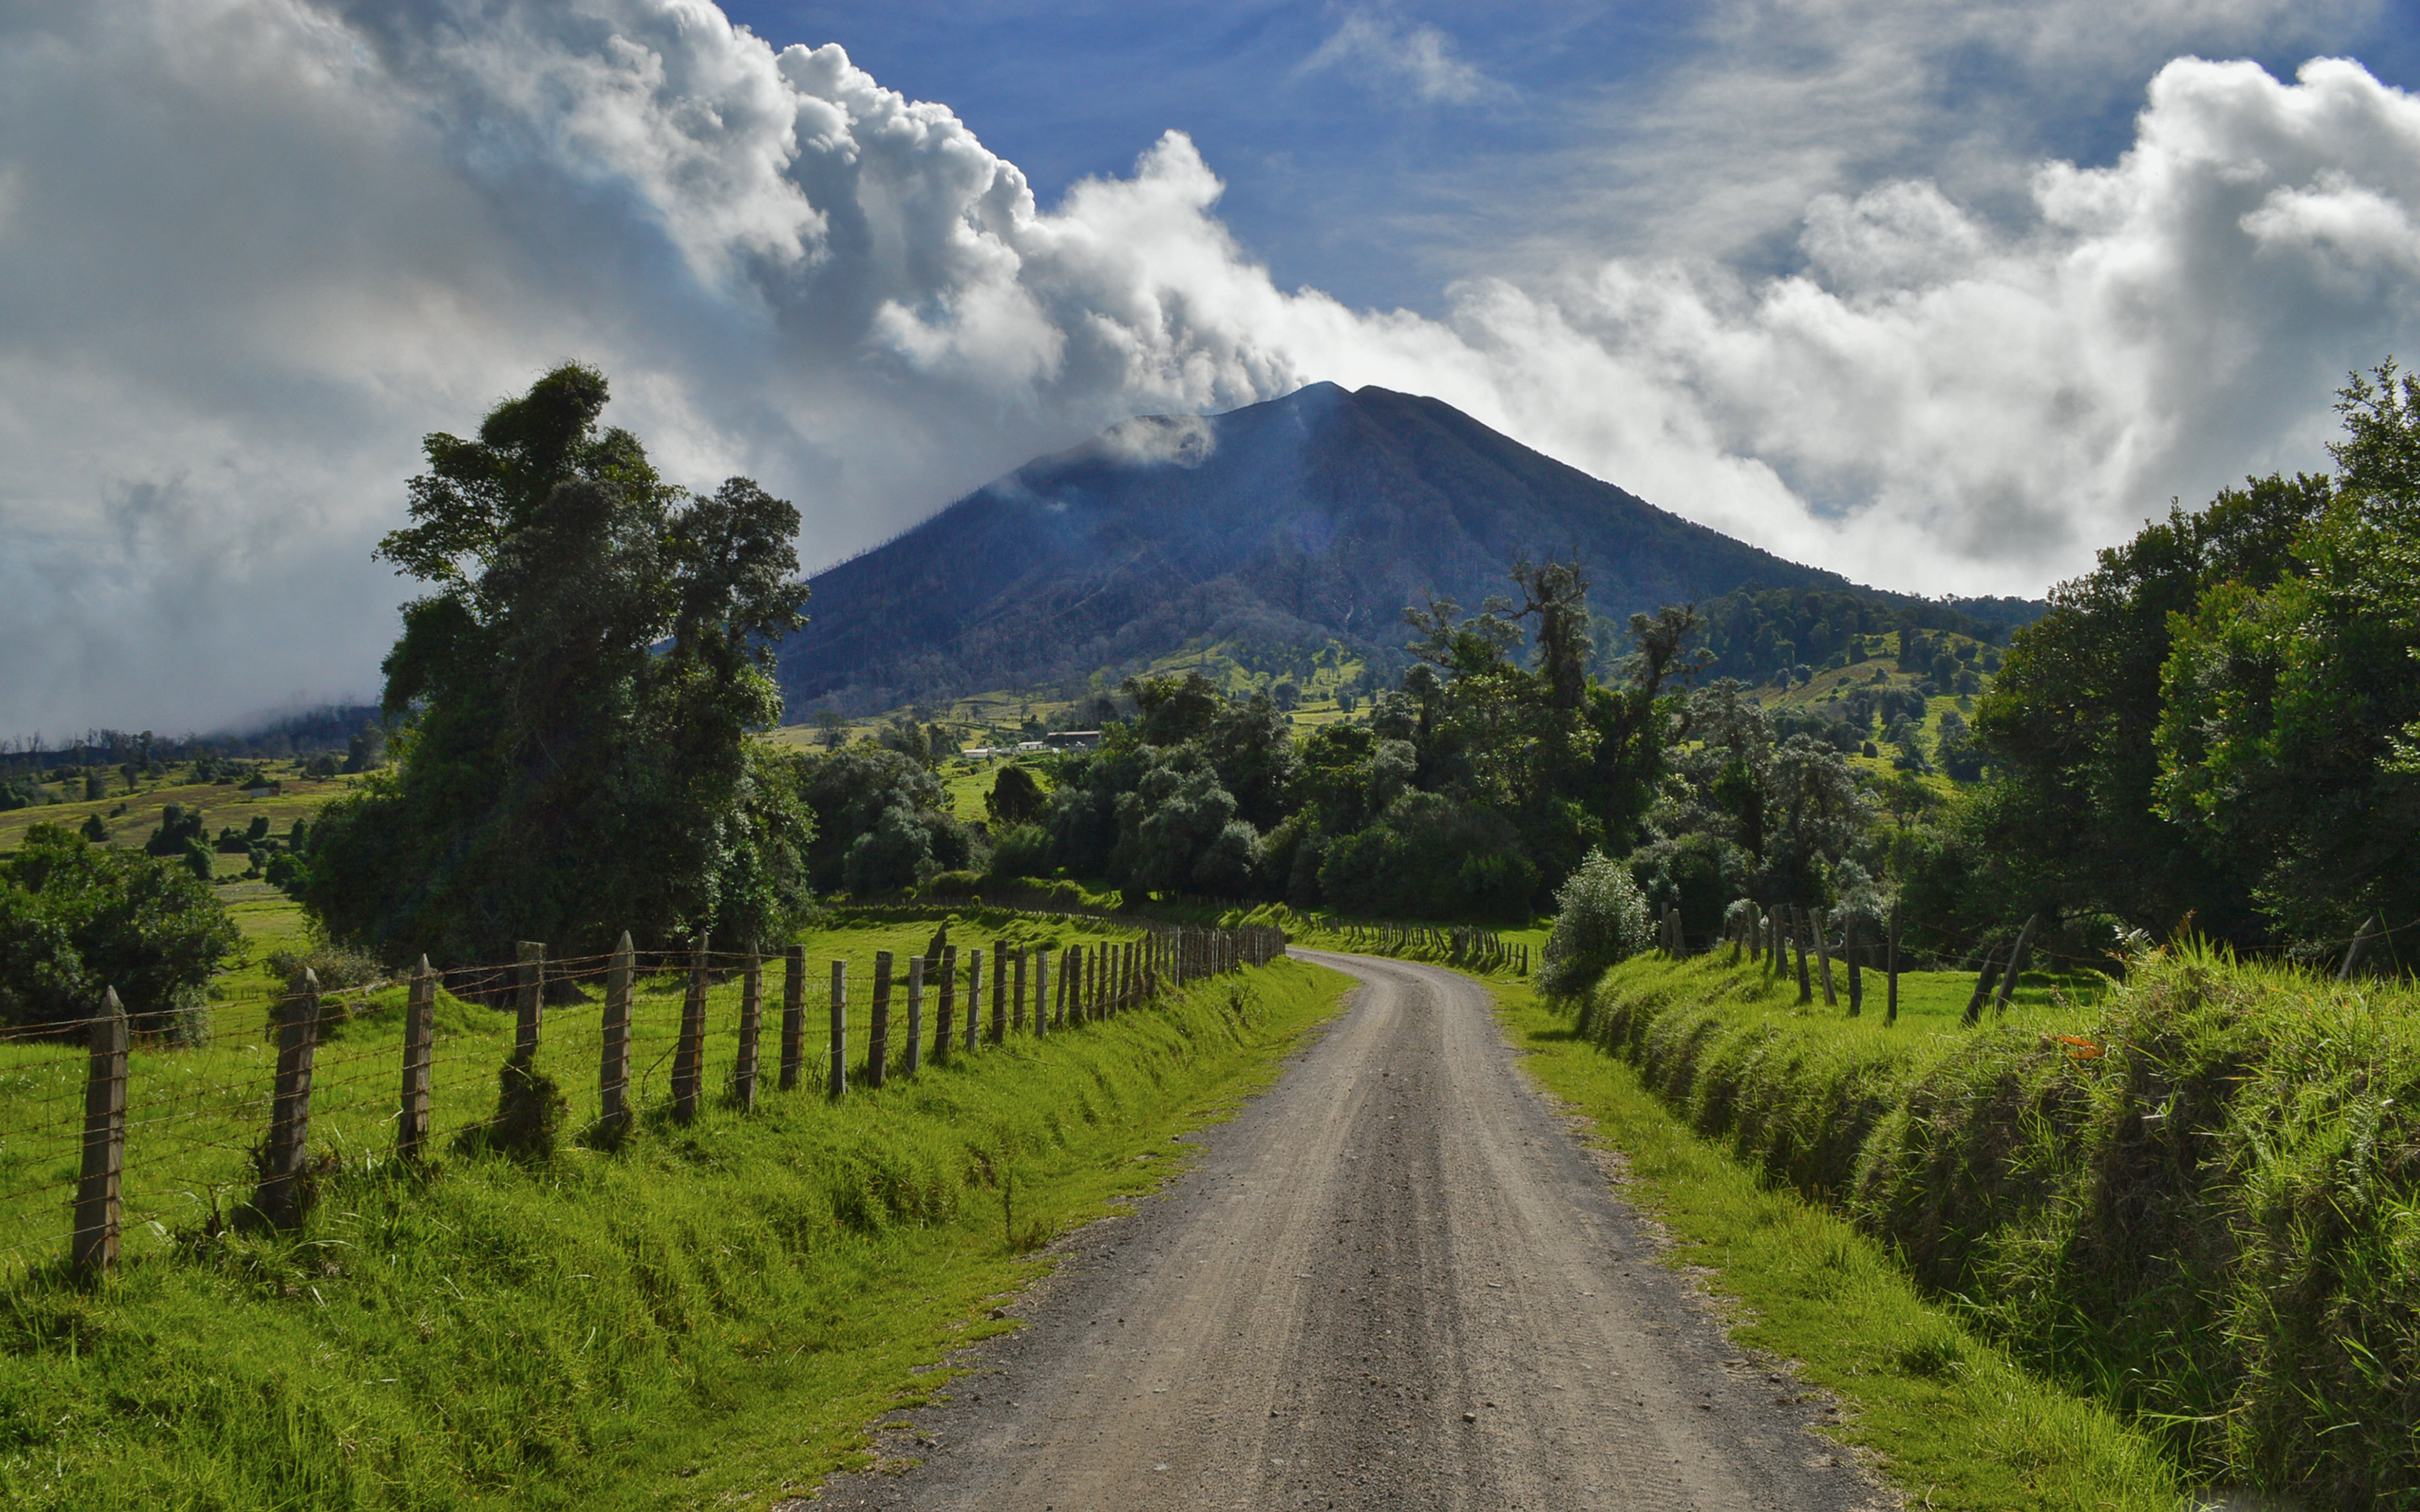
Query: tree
831 730
575 696
2288 708
1015 798
863 789
2068 724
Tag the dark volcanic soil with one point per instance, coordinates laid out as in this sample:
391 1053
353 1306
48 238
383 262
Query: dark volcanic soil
1397 1280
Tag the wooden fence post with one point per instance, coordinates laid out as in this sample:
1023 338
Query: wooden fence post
1850 962
1017 1020
751 1027
1071 970
1798 936
613 1062
794 1015
284 1154
2352 951
974 998
1824 959
2016 963
836 1078
1041 990
914 1059
999 994
1984 984
104 1140
878 1028
945 1012
689 1052
531 984
1890 968
419 1045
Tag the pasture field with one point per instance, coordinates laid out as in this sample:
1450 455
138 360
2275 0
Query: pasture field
133 816
194 1113
708 1316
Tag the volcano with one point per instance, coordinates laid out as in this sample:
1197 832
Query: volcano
1313 517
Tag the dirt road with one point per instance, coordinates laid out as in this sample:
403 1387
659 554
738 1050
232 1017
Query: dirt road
1395 1280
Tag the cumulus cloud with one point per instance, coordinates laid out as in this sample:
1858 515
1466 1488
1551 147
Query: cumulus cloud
229 315
1384 52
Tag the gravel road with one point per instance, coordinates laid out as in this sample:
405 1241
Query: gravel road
1396 1280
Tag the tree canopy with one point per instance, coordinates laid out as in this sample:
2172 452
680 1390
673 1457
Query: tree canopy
574 695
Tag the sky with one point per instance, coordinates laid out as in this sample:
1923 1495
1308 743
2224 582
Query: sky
1942 296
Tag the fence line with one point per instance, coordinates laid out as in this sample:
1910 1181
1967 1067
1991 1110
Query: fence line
1463 945
312 1084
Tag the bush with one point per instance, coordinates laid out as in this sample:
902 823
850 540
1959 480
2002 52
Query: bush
1021 850
335 966
1600 920
76 919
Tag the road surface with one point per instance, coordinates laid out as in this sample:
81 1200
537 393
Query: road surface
1395 1280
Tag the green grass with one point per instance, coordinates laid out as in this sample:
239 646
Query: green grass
1955 1423
708 1317
194 1113
2196 1198
222 804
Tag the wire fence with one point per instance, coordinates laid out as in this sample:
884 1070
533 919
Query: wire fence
152 1137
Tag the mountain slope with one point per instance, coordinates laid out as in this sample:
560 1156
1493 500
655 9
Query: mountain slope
1319 515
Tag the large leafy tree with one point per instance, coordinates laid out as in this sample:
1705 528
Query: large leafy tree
576 691
2073 820
2284 746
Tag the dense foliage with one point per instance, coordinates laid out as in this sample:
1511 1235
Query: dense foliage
1784 635
78 918
1468 792
575 693
2215 724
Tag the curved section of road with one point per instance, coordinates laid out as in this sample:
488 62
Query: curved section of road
1394 1280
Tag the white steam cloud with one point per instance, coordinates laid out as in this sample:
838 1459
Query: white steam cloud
228 315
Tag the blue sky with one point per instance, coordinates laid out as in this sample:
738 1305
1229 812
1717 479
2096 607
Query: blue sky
1351 181
1944 295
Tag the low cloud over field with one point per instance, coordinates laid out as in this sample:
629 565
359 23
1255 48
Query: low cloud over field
254 248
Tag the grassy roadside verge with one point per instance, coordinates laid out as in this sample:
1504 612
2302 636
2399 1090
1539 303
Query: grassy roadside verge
1955 1423
709 1317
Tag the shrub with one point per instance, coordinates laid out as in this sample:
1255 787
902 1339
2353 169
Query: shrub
1600 918
1021 850
76 919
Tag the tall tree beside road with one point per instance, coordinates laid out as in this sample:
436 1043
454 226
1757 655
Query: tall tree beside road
576 693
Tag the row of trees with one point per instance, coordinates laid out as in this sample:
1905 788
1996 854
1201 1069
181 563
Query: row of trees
2218 723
